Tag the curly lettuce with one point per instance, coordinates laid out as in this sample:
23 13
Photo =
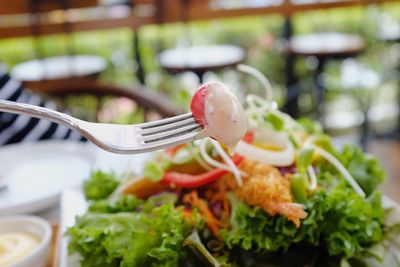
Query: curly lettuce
100 185
124 203
339 220
364 167
130 239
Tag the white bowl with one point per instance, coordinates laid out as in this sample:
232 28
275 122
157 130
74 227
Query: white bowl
33 225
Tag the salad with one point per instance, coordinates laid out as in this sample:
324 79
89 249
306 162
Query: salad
286 197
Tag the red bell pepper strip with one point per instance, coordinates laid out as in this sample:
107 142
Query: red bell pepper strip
190 181
248 137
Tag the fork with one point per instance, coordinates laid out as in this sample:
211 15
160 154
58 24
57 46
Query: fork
120 139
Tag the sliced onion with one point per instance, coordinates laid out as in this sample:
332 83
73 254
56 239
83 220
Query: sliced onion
282 158
276 158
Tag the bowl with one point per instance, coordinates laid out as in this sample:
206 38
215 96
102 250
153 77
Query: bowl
31 225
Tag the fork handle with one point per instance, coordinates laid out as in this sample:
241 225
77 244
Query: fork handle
39 112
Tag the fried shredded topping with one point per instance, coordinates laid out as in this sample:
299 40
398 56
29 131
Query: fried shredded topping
265 187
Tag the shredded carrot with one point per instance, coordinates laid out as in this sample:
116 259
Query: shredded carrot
218 193
213 223
188 215
227 209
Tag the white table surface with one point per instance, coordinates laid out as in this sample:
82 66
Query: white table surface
108 162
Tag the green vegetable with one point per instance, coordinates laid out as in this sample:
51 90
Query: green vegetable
364 167
339 220
298 186
158 200
130 239
129 203
100 185
294 140
345 222
193 241
310 126
253 229
124 203
305 158
183 155
154 169
276 121
325 142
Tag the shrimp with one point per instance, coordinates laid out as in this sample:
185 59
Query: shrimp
217 109
265 187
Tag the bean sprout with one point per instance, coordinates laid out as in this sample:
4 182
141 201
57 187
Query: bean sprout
228 161
229 166
313 178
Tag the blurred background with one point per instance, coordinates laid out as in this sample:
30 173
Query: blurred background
125 61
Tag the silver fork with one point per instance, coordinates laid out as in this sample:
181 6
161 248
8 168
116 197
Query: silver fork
121 139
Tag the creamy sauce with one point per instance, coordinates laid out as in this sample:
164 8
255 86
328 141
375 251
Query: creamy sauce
16 246
224 116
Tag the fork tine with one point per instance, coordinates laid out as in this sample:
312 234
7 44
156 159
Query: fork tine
164 136
152 124
180 139
166 127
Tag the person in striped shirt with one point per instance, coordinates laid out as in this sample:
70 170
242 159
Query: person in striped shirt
19 128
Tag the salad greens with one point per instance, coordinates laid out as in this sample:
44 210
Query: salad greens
333 227
363 167
154 170
152 237
100 185
175 227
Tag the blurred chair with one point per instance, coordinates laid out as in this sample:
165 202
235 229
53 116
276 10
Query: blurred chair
45 17
47 71
324 46
153 105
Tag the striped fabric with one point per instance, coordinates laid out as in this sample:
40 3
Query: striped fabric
19 128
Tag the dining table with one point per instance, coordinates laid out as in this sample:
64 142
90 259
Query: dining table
200 59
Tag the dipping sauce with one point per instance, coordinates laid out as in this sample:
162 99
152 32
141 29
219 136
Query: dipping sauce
15 246
216 108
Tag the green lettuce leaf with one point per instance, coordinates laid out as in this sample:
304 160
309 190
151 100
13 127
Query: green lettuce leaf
124 203
339 220
130 239
364 167
100 185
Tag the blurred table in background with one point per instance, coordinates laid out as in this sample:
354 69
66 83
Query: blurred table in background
40 74
324 46
200 59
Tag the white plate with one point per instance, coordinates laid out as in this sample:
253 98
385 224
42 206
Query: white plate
73 203
37 173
